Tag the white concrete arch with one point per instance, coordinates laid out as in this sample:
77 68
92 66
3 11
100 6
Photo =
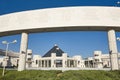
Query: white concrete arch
63 19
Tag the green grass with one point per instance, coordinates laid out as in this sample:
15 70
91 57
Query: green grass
59 75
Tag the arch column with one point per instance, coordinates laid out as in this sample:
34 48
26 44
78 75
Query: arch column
23 51
113 49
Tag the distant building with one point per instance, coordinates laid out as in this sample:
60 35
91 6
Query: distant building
56 58
99 60
29 58
9 62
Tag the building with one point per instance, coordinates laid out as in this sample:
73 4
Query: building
9 62
29 58
99 60
57 58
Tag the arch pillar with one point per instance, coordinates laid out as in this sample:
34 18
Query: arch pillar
23 51
113 49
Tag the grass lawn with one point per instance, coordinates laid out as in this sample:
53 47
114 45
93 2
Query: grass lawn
59 75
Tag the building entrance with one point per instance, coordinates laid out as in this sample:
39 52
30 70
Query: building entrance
58 63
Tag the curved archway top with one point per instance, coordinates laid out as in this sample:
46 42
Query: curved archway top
61 19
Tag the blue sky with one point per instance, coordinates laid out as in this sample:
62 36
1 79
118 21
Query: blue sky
74 42
8 6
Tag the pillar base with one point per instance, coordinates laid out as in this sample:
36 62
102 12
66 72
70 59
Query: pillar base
22 62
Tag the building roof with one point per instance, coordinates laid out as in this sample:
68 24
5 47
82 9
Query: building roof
56 50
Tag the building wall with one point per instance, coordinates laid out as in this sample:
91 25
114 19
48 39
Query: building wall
29 58
98 59
79 61
1 61
55 61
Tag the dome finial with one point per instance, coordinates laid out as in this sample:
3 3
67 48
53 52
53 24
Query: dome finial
55 45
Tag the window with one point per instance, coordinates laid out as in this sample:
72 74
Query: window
58 63
36 61
29 59
97 60
96 55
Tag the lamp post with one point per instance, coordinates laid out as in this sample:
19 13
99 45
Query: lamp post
7 45
118 38
118 2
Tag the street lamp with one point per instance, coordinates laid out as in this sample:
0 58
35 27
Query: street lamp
118 2
7 45
118 38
